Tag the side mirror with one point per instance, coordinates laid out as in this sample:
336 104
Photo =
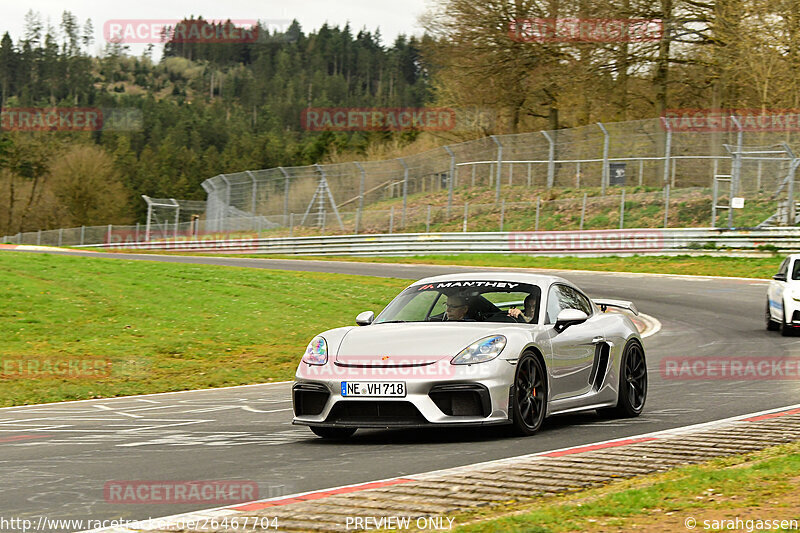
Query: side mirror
570 317
365 318
779 277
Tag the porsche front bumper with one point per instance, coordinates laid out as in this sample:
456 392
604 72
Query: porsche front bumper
452 395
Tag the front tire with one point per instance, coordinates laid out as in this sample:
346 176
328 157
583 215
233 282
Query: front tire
529 402
786 329
333 433
771 324
632 390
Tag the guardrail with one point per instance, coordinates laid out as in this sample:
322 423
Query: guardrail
587 242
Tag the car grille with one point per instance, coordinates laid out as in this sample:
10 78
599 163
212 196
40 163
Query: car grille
379 413
456 399
309 398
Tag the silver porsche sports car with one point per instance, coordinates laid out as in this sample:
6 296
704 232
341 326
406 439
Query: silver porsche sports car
473 349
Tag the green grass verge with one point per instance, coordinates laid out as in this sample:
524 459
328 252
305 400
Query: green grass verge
162 326
745 267
759 485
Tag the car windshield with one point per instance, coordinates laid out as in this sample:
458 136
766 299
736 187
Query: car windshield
465 301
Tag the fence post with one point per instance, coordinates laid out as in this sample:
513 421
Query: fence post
604 174
391 220
666 204
39 237
667 152
538 204
83 233
450 182
285 192
361 186
791 207
622 210
149 216
641 170
177 217
737 171
405 190
466 214
583 211
551 160
254 193
108 235
499 166
792 214
428 220
60 235
578 175
502 213
529 174
291 224
227 210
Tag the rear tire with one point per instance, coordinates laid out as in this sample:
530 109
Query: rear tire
771 324
333 433
529 401
632 389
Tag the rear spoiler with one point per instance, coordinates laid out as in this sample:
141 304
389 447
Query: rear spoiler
604 304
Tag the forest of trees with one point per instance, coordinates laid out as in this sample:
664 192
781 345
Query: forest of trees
207 109
217 108
718 54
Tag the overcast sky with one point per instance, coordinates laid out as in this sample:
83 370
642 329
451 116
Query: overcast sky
392 17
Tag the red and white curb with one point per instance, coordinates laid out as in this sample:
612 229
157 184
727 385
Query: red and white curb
218 513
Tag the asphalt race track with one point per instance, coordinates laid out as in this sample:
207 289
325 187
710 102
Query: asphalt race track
56 458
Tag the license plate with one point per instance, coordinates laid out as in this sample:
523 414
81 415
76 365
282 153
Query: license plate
384 389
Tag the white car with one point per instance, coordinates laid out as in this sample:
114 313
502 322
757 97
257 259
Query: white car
473 350
783 297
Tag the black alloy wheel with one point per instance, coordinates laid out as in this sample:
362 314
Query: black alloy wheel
530 395
632 391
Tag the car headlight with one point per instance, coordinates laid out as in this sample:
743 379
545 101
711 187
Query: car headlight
480 351
316 352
